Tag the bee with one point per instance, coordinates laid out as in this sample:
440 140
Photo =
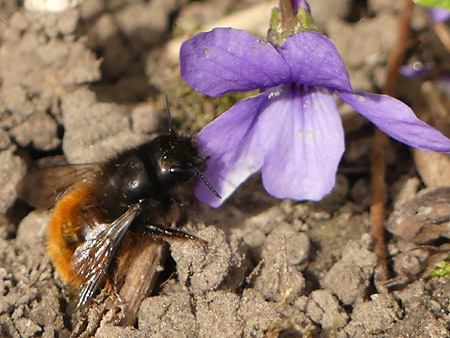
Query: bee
100 209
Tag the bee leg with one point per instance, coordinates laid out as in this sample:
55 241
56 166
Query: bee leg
168 233
113 282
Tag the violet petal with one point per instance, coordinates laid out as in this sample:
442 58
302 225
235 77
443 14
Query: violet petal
439 14
314 61
297 4
397 120
309 141
231 60
414 70
235 153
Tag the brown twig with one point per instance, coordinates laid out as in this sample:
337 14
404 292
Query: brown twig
443 33
118 305
141 276
378 157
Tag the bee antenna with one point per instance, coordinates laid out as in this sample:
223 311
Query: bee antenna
169 113
210 187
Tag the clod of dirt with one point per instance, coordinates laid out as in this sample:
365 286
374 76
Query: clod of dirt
27 328
254 229
258 316
419 323
364 46
431 104
195 14
383 5
29 296
168 316
278 275
5 141
36 70
7 327
12 169
324 309
434 168
217 314
203 268
408 258
145 119
294 245
323 10
108 331
225 314
404 189
424 218
32 229
277 282
425 312
45 24
106 35
146 22
44 312
40 131
349 278
373 317
94 131
212 314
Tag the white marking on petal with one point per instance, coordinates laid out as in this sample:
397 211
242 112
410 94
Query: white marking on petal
309 135
361 98
275 92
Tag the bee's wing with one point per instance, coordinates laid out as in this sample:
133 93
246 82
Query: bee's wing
91 260
41 187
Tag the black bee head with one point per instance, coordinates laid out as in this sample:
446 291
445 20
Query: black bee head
165 167
174 159
156 169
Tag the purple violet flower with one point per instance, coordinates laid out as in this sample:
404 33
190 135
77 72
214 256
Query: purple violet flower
414 70
292 130
439 14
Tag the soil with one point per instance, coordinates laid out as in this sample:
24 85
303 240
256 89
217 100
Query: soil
90 81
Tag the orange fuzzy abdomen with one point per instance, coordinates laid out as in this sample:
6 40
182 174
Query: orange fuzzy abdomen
63 233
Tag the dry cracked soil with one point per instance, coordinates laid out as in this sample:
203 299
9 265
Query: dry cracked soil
89 82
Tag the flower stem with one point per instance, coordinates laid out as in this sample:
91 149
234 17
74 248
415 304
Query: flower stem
443 33
378 157
288 19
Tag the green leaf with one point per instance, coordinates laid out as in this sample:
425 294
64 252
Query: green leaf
441 269
434 3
